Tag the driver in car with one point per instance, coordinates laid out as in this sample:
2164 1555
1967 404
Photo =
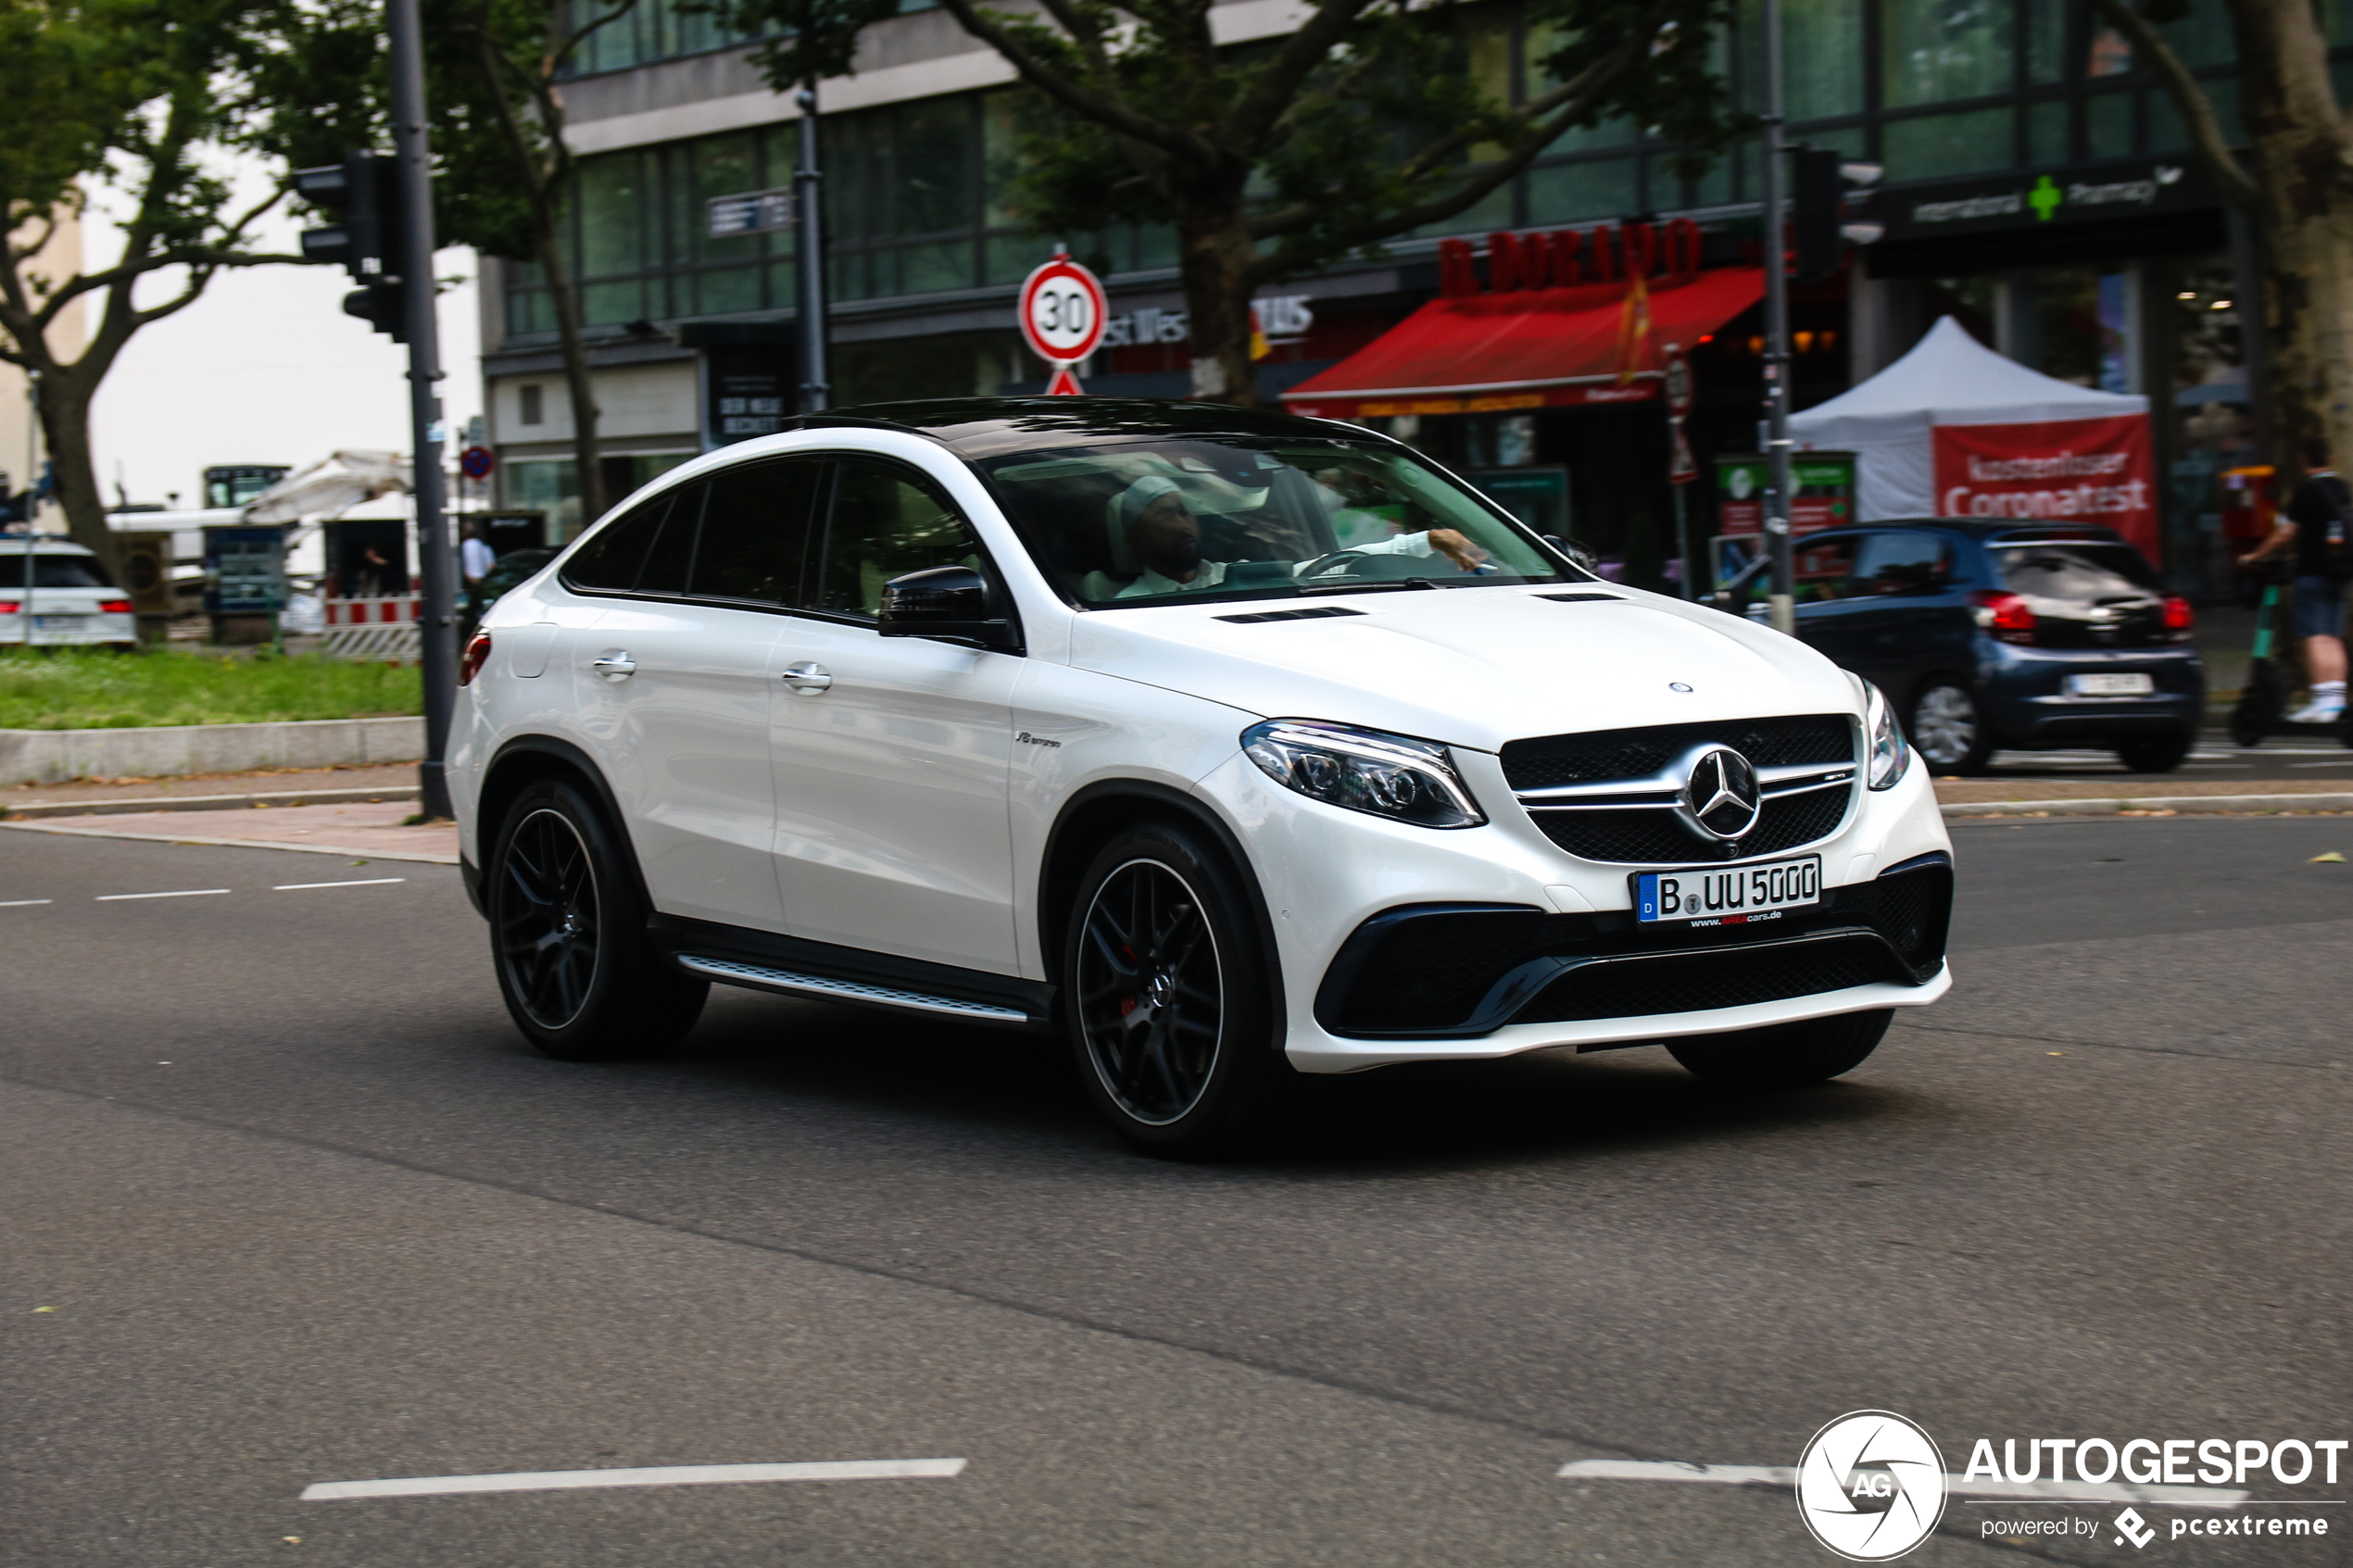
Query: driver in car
1165 536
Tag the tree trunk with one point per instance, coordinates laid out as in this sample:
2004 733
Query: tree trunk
2304 167
579 386
1216 252
65 430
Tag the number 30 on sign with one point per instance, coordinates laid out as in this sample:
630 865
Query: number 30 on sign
1062 311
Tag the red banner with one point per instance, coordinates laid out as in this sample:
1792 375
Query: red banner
2083 471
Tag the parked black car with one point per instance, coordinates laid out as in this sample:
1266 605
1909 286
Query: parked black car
1988 634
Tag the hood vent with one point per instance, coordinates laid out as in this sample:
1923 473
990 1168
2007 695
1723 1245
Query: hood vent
1584 598
1313 612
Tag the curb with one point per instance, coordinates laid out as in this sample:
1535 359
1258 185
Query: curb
204 802
2182 805
55 756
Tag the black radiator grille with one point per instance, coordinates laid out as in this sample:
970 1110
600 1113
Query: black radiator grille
1548 761
1651 835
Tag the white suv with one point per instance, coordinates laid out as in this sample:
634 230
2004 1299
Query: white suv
1231 745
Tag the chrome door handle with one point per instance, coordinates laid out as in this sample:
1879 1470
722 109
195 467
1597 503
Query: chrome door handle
614 665
808 679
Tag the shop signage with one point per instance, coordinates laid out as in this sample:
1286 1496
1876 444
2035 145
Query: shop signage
750 212
1824 482
1567 259
2090 471
745 404
2089 194
1281 319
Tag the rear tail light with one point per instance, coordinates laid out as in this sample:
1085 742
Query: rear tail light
114 607
470 662
2007 616
2179 619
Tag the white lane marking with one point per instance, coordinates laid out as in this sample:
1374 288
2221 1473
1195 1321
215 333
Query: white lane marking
356 882
662 1476
2342 762
2008 1491
24 903
180 893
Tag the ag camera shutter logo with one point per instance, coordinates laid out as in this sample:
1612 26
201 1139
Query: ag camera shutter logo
1870 1485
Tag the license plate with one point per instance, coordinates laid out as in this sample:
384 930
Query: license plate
61 623
2110 685
1726 895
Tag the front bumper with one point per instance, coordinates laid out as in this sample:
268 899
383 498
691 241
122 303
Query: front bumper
1565 924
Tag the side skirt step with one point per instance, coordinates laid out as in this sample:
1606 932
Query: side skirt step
761 977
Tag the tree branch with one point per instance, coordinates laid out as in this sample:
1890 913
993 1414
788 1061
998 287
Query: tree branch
559 48
1089 41
1279 82
2206 130
1113 114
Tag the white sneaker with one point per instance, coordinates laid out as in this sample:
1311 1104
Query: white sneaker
2320 710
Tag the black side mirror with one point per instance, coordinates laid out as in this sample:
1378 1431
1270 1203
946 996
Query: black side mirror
953 604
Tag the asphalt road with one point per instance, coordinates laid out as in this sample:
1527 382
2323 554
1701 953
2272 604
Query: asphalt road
2311 758
287 1202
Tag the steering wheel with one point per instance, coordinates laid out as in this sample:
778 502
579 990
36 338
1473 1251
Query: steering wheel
1321 563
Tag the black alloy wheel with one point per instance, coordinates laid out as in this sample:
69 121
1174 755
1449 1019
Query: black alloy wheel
1169 1012
1783 1056
567 930
1948 729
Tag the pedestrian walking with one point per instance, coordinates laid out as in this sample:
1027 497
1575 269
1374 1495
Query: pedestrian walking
475 557
2314 528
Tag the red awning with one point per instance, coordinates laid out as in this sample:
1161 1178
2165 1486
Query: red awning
1527 348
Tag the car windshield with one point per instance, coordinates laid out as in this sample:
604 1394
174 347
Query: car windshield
2084 572
1151 521
51 570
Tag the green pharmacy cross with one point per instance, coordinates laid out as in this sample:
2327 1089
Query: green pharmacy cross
2045 199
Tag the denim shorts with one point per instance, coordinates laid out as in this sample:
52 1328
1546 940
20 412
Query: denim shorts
2316 604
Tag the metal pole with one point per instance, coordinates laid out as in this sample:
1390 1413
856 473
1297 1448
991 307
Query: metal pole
1684 543
816 392
31 503
1776 445
436 621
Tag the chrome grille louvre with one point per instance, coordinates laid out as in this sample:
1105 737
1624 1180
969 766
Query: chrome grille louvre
1614 796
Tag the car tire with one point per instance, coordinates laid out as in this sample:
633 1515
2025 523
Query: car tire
2160 755
568 935
1785 1056
1948 729
1169 1005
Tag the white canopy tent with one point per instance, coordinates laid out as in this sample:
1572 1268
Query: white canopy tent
1948 379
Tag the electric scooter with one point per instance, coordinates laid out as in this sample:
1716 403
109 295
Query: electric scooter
2262 705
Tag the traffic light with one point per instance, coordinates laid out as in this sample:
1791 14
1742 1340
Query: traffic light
362 194
1830 197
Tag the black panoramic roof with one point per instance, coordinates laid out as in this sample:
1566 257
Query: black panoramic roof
990 427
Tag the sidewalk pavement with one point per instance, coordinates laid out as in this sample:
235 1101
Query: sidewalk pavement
387 781
361 830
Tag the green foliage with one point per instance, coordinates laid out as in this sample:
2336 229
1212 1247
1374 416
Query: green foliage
98 689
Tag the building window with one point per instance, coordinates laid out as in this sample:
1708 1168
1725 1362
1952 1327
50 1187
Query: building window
533 412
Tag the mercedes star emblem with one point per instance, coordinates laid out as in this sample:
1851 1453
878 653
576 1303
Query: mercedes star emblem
1719 796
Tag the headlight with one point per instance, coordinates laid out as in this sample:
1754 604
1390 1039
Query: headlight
1411 781
1891 754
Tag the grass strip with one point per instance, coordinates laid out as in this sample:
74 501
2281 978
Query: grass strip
100 689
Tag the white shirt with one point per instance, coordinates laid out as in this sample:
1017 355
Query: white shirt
476 557
1212 572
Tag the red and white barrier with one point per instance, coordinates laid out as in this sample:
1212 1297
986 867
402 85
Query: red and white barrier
381 627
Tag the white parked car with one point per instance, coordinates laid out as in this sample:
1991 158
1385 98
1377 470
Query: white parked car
1231 745
73 602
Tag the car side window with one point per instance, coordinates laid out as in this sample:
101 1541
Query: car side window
755 531
1900 562
884 522
609 562
1818 568
673 552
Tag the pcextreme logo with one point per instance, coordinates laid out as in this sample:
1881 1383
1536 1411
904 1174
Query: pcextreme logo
1870 1485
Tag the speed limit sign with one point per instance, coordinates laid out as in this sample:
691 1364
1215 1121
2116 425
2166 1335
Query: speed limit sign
1063 308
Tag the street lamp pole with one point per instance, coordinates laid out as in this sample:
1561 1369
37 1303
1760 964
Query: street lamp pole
436 622
816 392
1776 441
